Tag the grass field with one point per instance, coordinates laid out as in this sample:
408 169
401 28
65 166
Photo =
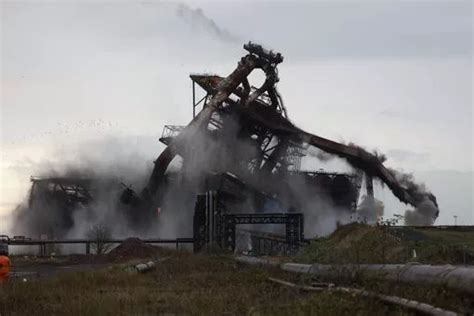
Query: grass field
358 243
184 283
181 284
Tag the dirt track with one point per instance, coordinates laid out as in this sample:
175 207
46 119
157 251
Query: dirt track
34 270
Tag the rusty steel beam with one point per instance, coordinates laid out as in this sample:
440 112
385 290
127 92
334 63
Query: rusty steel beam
223 89
355 156
272 117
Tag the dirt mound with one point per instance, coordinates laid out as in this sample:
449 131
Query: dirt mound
133 248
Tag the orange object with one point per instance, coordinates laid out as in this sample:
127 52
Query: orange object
4 269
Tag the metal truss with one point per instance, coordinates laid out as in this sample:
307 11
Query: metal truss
212 226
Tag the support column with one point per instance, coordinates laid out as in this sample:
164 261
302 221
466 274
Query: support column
369 185
194 99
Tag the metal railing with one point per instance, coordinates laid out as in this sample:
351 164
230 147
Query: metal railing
170 131
87 242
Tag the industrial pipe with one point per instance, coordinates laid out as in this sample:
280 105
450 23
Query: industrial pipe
455 277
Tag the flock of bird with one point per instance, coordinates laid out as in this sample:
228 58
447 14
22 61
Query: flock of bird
62 129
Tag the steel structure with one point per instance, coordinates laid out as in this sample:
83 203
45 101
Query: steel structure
241 137
264 243
293 222
241 144
54 201
170 131
69 191
262 122
215 227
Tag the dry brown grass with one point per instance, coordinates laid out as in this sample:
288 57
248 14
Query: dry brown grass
359 243
183 284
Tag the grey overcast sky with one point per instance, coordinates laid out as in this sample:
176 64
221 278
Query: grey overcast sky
390 75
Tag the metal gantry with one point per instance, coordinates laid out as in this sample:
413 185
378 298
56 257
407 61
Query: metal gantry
214 227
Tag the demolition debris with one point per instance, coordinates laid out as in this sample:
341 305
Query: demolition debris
239 162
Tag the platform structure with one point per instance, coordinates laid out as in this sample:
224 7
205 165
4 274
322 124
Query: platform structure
214 227
293 227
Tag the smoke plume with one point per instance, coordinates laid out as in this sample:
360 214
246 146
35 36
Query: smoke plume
319 154
370 210
200 22
426 210
99 167
424 214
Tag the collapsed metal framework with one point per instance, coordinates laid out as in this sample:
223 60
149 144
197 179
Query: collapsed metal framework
252 157
53 201
263 124
70 191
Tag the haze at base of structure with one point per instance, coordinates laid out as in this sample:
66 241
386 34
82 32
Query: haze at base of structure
105 164
370 210
175 219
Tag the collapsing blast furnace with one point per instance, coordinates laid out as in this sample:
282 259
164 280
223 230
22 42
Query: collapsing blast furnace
243 134
241 156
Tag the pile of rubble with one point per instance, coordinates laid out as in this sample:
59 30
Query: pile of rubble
133 248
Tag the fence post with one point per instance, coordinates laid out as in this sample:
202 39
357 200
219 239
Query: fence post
42 249
464 254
